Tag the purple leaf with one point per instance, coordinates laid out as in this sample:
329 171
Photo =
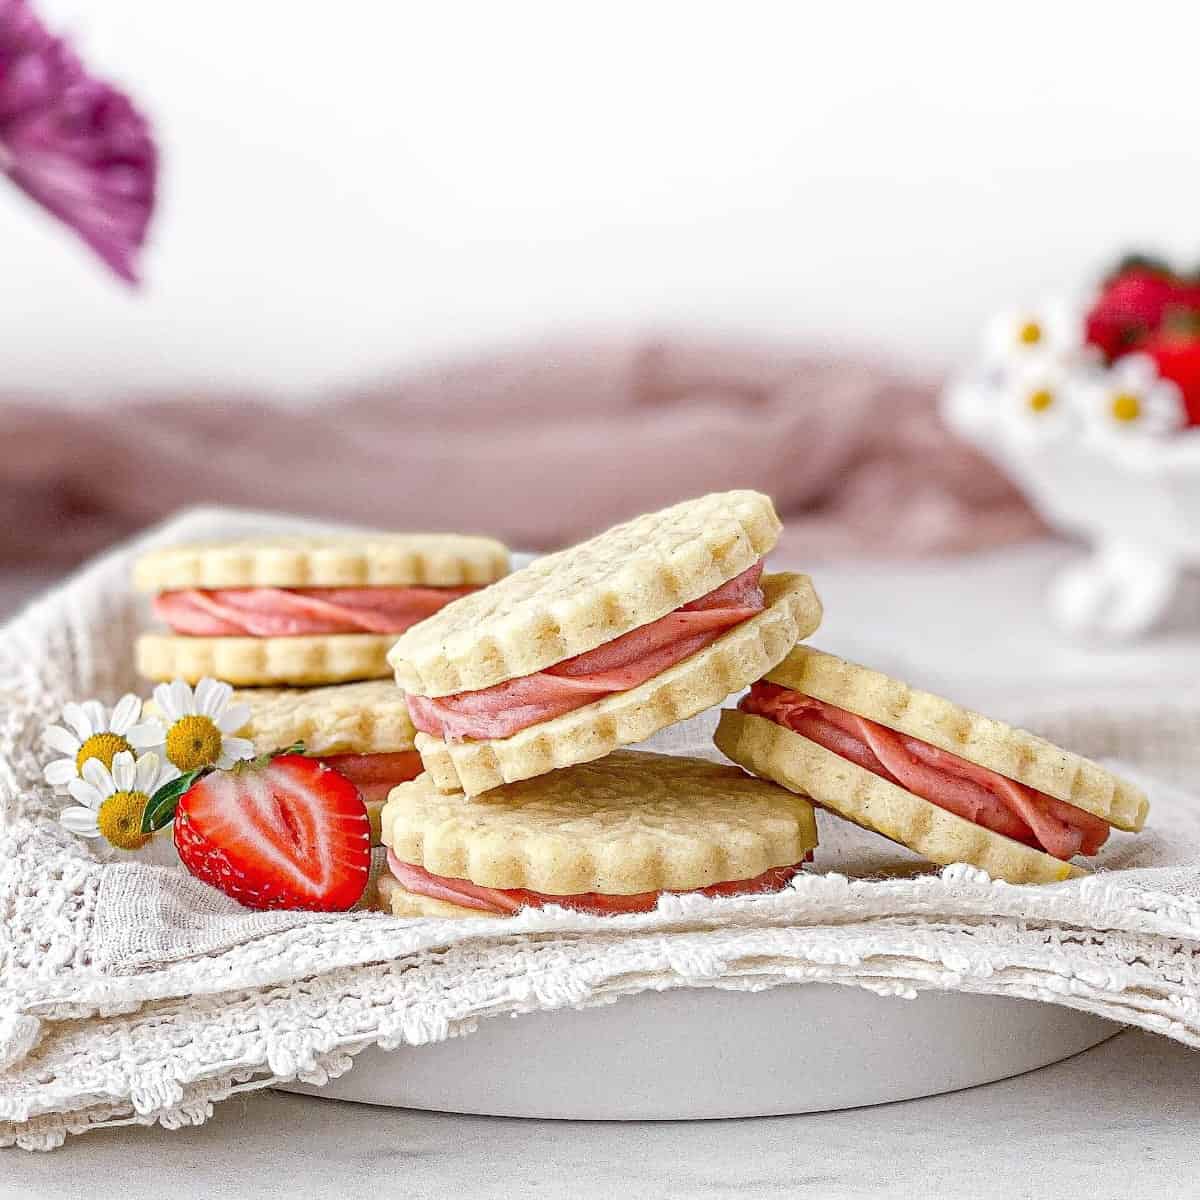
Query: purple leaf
73 143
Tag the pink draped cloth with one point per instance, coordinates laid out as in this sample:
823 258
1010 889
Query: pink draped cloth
538 445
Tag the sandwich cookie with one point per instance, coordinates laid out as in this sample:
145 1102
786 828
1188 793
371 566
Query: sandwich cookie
601 645
946 782
301 610
602 837
360 730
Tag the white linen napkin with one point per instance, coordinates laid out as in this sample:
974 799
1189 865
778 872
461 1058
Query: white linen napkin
132 993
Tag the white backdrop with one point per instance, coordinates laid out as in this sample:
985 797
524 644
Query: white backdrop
352 186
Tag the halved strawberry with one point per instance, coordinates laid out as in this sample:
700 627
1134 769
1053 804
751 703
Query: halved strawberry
290 833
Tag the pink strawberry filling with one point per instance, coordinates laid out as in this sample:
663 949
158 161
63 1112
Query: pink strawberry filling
964 788
616 666
280 612
503 902
375 774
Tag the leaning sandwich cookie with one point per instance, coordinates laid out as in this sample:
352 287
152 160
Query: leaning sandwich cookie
301 610
602 837
603 644
952 785
360 730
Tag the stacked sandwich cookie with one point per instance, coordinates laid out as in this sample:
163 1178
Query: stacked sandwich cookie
948 783
303 624
601 645
602 837
559 665
301 611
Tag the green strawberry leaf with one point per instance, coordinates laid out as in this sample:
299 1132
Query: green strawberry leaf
1181 322
263 760
160 810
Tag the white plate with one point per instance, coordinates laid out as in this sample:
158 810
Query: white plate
703 1053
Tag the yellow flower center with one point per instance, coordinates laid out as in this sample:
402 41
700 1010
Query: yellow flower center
1126 407
193 742
104 746
1041 401
1030 333
120 819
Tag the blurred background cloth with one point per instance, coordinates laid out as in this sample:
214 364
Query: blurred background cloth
539 445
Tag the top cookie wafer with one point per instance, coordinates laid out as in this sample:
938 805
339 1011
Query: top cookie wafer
989 743
628 823
575 600
338 560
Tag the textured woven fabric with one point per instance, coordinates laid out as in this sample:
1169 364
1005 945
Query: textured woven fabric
540 444
131 993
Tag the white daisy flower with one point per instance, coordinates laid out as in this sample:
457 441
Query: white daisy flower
110 803
1041 400
1131 399
94 732
1053 330
192 729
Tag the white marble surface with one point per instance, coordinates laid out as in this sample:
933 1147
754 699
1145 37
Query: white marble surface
1116 1121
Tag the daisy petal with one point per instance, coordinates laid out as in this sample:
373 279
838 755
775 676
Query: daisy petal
124 772
60 772
211 696
152 773
234 750
235 717
96 715
183 699
165 701
239 748
146 734
57 738
84 793
74 716
95 773
145 771
128 709
81 821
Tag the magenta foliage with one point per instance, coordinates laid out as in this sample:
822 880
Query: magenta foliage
73 143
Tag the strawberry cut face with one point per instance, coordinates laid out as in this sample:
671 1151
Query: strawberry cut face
291 834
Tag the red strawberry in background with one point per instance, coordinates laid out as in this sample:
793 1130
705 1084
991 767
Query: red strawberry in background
1133 304
1130 306
1175 349
288 833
